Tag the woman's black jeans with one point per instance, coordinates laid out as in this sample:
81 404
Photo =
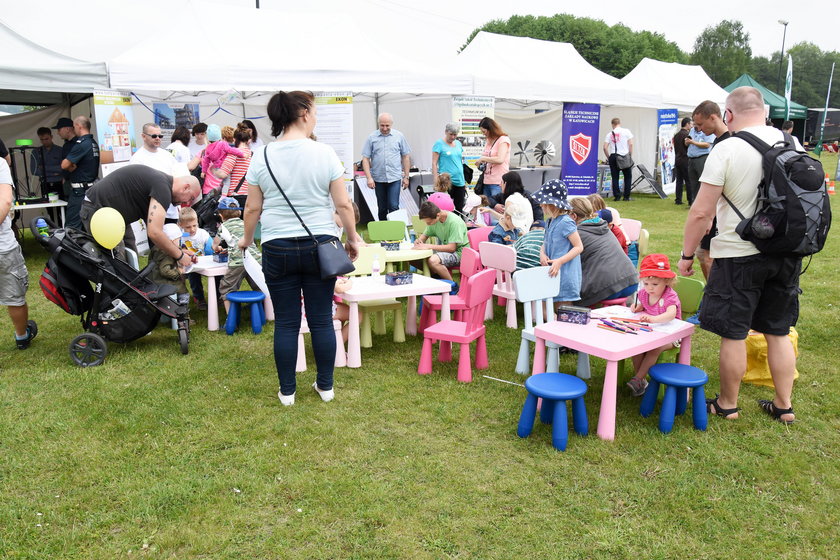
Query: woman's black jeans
291 267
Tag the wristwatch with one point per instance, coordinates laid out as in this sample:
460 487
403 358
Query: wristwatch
686 257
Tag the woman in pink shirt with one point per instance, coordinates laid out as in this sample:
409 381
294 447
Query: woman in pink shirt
495 157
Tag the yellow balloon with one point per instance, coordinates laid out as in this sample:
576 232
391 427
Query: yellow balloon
108 227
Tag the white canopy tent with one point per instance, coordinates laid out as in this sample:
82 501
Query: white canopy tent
680 86
33 74
529 69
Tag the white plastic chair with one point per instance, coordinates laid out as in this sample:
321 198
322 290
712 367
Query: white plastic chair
536 290
340 353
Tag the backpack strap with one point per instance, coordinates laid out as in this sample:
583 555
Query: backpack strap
754 141
760 145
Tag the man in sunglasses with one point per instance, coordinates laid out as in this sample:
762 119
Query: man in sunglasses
82 163
151 154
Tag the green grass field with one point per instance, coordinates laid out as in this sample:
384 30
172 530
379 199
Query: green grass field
159 455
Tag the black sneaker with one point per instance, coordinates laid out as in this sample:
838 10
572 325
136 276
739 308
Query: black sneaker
678 202
31 332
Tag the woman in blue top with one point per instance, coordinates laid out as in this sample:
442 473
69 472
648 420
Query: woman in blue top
310 174
447 157
562 246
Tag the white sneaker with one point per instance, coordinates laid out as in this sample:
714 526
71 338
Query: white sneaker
326 396
286 400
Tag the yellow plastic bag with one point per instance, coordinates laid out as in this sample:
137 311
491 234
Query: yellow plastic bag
758 372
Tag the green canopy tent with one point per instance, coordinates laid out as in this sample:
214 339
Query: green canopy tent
774 100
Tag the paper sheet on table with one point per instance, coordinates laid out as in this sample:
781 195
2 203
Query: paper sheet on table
612 311
671 326
255 271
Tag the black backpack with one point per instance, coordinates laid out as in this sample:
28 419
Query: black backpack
205 210
793 214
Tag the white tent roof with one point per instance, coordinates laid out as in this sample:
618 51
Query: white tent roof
226 47
28 67
524 68
681 86
306 50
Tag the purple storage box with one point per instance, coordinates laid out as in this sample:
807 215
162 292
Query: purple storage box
398 278
572 314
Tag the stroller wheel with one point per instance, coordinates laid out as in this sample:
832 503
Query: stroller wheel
184 341
88 350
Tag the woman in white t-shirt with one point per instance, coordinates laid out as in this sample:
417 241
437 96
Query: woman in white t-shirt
179 148
311 176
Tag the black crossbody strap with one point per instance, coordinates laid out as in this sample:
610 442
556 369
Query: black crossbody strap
239 185
289 202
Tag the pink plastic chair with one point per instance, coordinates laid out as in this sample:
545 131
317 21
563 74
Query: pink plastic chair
463 332
477 235
470 264
632 228
501 258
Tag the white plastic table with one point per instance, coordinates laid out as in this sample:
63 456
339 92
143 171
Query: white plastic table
612 347
366 288
58 204
207 267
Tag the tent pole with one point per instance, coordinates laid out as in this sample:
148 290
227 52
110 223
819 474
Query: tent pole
376 107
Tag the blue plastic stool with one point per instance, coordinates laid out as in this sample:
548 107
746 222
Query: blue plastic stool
677 379
555 389
257 311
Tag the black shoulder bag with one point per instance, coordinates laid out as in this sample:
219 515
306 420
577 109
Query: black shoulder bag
622 161
332 258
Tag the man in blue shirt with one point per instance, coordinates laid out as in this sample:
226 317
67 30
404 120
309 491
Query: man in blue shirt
386 162
699 146
83 164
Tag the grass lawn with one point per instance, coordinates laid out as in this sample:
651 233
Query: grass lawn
159 455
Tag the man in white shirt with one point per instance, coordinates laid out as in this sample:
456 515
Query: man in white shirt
619 142
151 154
14 280
746 289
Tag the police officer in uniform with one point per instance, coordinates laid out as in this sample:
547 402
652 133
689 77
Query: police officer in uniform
82 162
64 127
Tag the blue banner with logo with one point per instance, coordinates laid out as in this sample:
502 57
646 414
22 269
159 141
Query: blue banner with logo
668 127
580 147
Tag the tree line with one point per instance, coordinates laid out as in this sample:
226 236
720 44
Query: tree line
723 50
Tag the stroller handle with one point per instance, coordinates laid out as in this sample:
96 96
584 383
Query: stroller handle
33 227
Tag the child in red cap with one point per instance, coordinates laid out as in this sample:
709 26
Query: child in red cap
659 303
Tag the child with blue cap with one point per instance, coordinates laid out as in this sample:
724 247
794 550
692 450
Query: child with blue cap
230 232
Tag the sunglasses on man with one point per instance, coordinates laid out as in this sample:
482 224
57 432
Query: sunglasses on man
155 135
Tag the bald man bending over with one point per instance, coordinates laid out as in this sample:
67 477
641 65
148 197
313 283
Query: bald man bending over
138 192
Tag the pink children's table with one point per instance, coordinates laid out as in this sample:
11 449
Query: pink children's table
367 288
610 346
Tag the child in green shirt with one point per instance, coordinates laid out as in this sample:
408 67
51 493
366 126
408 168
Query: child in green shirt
450 230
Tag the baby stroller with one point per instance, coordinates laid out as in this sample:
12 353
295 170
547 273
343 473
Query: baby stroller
116 302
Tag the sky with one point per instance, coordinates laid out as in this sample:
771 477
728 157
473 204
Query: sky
447 23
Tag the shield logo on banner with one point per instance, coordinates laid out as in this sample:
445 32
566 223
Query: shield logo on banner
580 145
